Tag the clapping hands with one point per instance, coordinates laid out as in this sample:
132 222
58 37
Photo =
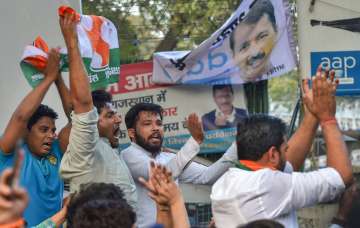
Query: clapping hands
320 100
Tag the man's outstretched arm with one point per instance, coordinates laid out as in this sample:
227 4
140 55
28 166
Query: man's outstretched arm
197 173
80 146
300 143
79 82
65 96
18 122
323 106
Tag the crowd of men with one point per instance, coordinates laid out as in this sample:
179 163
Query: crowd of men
256 183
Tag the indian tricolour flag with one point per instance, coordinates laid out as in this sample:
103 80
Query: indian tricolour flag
99 47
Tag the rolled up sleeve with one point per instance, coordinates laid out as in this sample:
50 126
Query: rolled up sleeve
287 192
79 155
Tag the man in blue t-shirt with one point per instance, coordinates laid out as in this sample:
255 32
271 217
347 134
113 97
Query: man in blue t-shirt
35 123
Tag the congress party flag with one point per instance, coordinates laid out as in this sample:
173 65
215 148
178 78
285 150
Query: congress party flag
99 48
255 43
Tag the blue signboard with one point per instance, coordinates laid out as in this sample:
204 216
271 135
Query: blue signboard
347 69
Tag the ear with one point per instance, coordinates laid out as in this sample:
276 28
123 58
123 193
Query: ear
273 156
131 134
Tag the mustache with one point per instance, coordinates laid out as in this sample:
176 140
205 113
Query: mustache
258 56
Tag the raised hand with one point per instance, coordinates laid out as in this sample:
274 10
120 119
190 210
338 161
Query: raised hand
52 68
13 199
148 184
195 128
68 28
152 184
320 100
162 188
165 187
167 195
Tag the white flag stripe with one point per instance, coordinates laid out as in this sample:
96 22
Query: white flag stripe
33 51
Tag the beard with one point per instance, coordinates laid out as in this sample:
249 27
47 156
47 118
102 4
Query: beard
153 149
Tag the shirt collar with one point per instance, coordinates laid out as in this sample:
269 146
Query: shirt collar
230 117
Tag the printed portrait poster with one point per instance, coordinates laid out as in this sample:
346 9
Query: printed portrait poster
135 86
255 43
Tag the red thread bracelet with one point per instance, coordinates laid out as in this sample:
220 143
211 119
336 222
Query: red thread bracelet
328 121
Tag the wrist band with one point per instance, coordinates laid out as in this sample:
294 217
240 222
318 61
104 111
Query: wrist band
338 221
17 224
328 121
164 207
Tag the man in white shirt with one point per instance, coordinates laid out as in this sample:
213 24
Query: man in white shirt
91 154
264 185
144 124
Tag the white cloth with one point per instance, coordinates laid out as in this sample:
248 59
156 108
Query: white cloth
230 118
90 158
138 161
241 196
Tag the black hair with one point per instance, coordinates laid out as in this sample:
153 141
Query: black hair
132 116
100 99
220 87
260 8
99 205
263 223
41 111
256 134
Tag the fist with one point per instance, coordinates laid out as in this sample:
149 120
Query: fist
68 28
53 65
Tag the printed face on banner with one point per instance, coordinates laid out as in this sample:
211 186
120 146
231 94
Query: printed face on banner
225 114
253 40
255 43
224 99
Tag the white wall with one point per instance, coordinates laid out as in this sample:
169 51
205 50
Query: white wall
20 22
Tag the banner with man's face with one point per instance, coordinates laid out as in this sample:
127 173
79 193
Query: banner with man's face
255 43
219 107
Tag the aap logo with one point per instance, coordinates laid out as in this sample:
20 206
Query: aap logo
346 65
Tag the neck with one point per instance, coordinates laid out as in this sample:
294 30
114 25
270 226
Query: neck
228 112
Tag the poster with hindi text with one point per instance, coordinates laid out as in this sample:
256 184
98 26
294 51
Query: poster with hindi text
135 86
